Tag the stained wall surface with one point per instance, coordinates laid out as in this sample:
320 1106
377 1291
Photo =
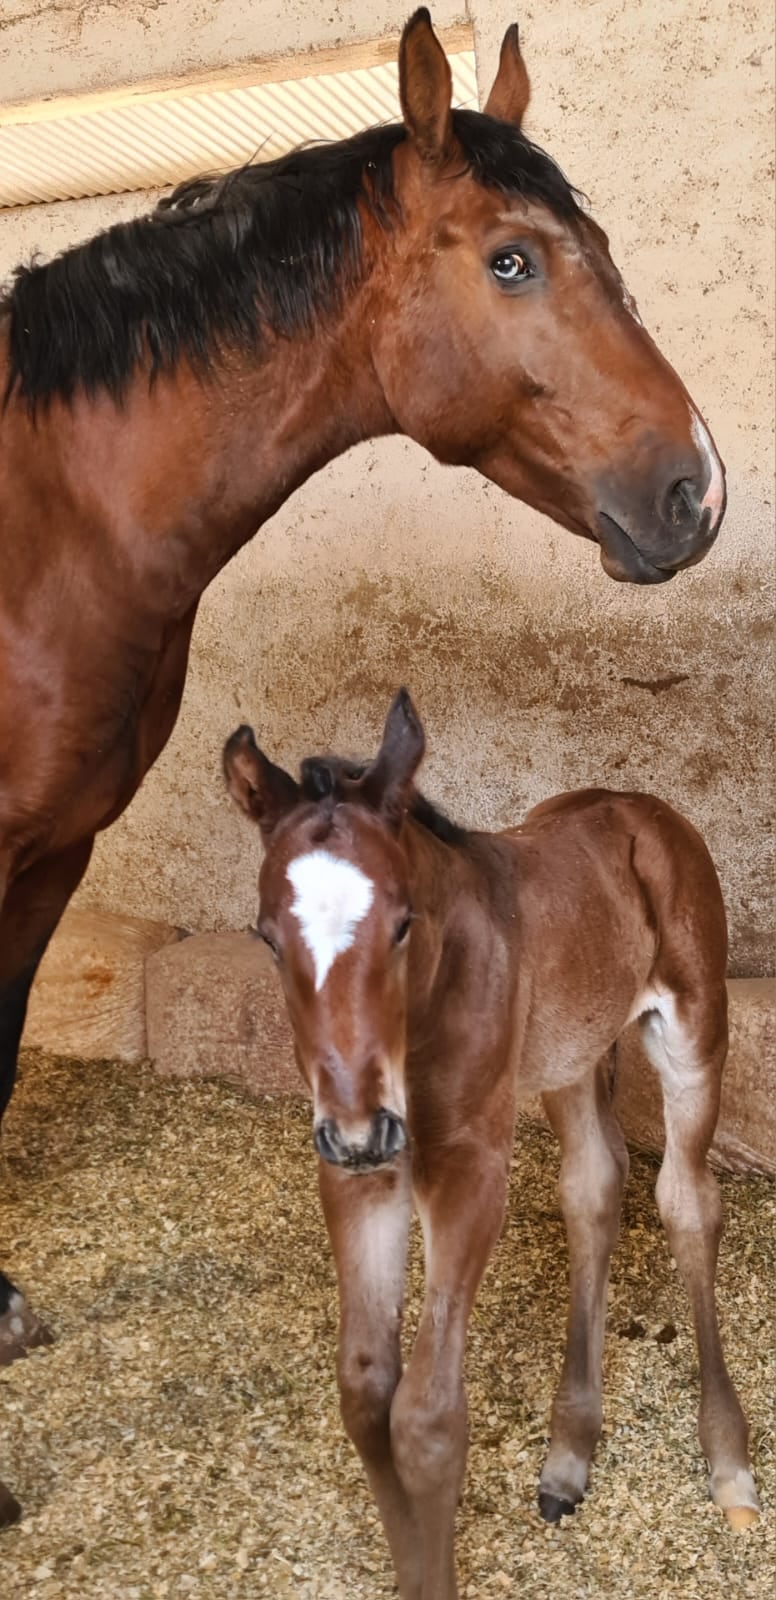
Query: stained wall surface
532 670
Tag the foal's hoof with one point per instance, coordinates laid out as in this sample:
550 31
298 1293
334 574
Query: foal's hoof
10 1510
20 1330
736 1494
741 1517
552 1506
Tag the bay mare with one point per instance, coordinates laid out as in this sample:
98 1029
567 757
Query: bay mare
166 385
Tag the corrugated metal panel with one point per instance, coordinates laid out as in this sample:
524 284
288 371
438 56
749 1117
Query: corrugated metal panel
145 143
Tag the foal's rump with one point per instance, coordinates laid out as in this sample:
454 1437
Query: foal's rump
619 904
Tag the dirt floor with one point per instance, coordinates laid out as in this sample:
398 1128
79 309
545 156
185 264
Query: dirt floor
182 1437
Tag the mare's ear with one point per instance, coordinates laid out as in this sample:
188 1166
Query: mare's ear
263 791
511 92
387 783
426 89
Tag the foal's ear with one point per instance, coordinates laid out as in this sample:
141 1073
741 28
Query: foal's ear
387 784
263 791
426 89
511 92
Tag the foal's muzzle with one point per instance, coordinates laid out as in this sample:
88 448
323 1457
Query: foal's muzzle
387 1137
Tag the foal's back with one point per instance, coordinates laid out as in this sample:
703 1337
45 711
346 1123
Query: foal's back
620 913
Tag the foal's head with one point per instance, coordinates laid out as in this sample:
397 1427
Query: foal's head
505 338
335 911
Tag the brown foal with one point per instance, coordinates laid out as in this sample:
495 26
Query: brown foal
432 977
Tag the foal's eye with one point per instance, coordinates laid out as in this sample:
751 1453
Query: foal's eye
403 929
511 266
270 943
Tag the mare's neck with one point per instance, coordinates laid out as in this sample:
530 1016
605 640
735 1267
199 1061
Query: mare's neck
187 470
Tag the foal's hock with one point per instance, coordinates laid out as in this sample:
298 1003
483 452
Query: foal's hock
432 976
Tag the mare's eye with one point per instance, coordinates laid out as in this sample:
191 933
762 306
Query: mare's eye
270 943
511 266
403 929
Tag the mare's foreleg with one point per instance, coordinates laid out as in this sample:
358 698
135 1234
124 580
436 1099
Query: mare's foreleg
30 912
460 1195
368 1219
594 1165
686 1041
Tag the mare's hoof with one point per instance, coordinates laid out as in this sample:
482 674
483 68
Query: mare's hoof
10 1510
20 1330
553 1506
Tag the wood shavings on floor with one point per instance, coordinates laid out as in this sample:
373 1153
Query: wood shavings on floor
182 1436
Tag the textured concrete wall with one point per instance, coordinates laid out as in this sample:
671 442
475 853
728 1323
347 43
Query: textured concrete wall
75 46
533 671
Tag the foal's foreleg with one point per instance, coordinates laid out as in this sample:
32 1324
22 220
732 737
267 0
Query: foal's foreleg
594 1165
688 1046
368 1219
460 1196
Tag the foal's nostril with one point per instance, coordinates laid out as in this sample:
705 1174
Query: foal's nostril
328 1143
389 1135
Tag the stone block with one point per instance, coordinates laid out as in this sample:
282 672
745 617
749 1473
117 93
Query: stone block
88 999
215 1008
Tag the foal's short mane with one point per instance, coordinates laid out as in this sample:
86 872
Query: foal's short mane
326 779
271 246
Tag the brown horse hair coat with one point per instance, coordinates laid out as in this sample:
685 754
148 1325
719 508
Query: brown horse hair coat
432 978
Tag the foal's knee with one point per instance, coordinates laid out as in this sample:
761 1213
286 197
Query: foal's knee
689 1200
428 1438
367 1385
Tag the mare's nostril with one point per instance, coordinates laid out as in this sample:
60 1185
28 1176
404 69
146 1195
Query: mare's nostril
684 501
327 1142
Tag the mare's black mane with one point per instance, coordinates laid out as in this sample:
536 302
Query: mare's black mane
269 248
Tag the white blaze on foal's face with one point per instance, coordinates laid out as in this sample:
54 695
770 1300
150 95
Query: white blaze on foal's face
331 898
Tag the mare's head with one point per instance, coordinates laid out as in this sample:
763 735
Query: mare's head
334 908
505 339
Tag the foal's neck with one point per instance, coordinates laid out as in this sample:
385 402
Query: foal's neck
462 893
439 874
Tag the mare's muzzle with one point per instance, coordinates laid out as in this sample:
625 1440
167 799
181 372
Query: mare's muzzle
387 1137
670 525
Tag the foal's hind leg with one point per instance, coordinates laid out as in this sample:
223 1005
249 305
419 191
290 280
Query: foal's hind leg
687 1042
594 1165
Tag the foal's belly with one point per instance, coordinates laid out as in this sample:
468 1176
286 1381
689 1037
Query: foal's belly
579 999
558 1049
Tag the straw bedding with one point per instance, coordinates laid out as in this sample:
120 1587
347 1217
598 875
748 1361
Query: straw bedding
182 1438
